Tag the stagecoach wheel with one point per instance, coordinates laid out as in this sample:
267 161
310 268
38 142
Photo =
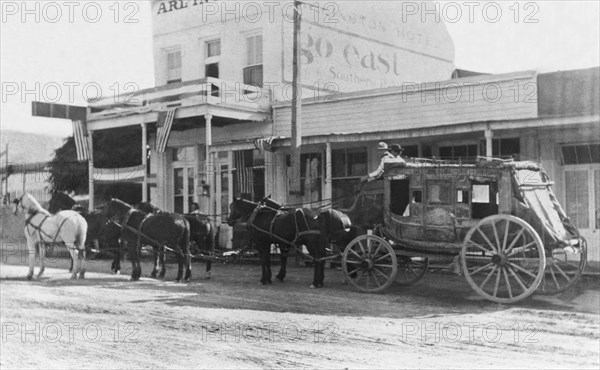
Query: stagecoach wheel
369 264
411 269
503 259
563 269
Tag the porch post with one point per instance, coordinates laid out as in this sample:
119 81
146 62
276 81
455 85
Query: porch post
489 134
90 140
210 172
328 189
145 162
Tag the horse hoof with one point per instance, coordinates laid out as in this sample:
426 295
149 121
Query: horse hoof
82 275
312 286
178 281
73 277
153 276
29 277
207 276
279 278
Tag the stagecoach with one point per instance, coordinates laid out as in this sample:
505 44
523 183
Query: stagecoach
498 223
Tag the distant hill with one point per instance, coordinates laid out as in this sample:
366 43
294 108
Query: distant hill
25 147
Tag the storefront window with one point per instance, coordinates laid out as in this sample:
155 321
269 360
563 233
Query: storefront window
348 166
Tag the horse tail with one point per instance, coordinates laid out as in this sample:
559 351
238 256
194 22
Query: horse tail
82 228
185 238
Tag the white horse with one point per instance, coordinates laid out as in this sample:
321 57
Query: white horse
42 227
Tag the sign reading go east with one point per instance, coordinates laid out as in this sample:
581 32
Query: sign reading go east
337 60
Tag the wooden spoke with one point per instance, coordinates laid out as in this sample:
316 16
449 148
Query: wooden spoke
478 246
356 254
380 265
520 249
561 271
376 270
521 269
362 249
507 284
353 262
505 235
488 277
517 278
554 278
498 246
482 268
382 257
497 282
487 240
377 250
354 271
515 240
375 278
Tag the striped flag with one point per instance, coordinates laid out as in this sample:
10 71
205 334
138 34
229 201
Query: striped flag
80 135
164 124
244 175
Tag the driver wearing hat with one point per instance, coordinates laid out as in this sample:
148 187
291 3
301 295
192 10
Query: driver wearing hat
391 155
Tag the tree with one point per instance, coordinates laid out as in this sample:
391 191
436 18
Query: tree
112 149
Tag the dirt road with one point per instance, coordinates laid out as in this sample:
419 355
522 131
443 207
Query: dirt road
232 322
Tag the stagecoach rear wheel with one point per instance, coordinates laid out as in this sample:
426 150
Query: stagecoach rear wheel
503 258
370 264
411 269
564 268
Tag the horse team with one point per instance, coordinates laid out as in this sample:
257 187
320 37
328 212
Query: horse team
123 226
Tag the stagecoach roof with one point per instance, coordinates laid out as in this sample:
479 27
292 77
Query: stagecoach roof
422 163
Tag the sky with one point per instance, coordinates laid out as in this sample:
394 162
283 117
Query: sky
62 59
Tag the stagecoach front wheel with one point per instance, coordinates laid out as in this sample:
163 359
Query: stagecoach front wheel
503 258
564 267
369 264
411 269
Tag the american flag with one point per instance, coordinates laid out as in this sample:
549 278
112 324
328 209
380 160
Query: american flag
80 135
164 123
245 175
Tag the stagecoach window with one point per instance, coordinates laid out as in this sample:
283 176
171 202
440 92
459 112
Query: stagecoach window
417 196
484 201
439 192
462 196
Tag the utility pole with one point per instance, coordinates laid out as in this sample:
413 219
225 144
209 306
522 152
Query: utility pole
296 137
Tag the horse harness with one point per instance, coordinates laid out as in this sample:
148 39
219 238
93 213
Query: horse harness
38 228
300 223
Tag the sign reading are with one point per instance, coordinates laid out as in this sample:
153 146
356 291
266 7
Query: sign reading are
169 6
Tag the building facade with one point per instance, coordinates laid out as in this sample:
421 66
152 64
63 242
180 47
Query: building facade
370 76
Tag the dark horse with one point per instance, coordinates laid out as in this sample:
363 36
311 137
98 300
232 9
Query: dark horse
270 224
203 236
161 230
